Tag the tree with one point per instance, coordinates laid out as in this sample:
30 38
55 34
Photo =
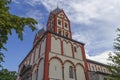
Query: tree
115 65
8 23
7 75
1 59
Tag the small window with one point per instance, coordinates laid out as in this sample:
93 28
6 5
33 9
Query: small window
66 34
93 68
59 32
66 25
59 22
52 24
75 49
98 69
71 72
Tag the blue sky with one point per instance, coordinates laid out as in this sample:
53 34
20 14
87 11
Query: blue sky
93 22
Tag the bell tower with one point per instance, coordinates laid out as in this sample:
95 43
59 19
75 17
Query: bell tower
59 23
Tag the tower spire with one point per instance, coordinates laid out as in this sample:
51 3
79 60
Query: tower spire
57 5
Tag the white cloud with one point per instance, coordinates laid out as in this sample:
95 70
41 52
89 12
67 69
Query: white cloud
37 15
102 58
33 2
84 11
79 37
95 41
16 1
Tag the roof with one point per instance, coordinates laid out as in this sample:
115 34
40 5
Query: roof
95 62
41 31
98 72
57 10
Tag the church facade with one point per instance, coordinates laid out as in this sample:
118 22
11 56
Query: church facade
56 56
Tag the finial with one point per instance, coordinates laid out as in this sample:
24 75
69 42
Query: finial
57 5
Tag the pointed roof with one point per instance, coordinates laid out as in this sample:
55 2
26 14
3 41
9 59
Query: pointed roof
41 31
57 10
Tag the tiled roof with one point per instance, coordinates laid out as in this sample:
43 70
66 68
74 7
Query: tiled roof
57 10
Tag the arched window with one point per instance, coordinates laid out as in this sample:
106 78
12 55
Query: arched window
93 68
75 49
66 25
98 69
71 72
59 22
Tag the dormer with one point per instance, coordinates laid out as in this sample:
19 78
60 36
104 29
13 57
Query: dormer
59 23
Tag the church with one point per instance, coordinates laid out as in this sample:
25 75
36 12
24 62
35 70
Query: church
56 56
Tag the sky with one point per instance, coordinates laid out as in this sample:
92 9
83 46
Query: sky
93 22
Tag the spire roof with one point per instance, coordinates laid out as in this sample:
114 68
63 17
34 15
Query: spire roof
57 10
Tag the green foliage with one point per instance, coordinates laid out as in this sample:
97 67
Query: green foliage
7 75
1 59
9 22
115 66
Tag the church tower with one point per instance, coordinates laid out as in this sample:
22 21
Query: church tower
59 23
55 55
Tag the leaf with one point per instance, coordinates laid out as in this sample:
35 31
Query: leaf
115 67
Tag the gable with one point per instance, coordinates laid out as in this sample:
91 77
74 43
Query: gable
63 15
